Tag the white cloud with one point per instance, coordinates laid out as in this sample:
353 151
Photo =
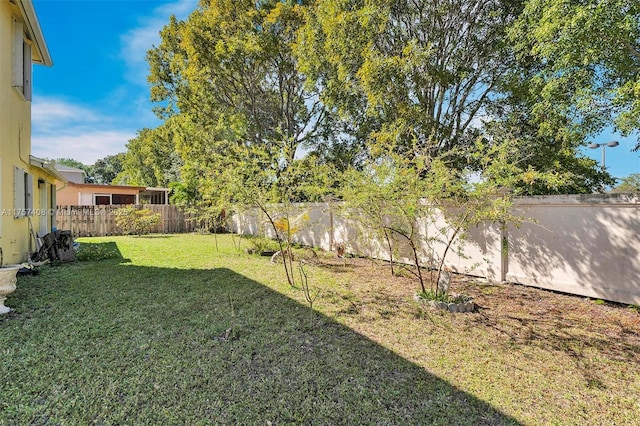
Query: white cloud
137 41
86 147
61 129
49 112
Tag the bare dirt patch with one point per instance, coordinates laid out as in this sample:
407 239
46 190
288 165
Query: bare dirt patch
513 311
519 312
538 355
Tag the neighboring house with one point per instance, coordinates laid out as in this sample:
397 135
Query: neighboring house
77 193
89 194
72 174
28 194
155 195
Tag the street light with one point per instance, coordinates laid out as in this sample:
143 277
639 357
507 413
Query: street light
611 144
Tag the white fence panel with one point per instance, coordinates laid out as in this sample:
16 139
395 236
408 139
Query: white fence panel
586 245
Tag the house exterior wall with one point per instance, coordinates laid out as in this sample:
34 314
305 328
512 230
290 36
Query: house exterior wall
83 194
15 150
67 195
74 194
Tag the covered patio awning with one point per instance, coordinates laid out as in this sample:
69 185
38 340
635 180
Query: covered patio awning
48 167
155 195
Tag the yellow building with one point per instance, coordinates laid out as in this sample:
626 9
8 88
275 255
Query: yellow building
27 201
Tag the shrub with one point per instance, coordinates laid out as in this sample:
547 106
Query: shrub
136 221
443 296
262 244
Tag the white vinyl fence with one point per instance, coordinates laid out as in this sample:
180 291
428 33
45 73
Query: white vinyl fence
581 244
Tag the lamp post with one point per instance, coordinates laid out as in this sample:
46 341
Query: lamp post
611 144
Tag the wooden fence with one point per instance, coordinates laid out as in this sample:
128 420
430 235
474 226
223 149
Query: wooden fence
98 221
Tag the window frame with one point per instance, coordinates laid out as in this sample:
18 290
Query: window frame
22 193
21 55
95 199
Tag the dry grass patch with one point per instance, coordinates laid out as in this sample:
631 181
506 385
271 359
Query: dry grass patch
540 356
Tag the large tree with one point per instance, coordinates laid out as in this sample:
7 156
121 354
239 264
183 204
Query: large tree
151 158
587 64
258 84
533 145
576 73
231 65
105 170
410 70
228 78
430 77
629 183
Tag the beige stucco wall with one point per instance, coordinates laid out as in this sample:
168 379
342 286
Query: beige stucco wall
15 148
66 196
585 245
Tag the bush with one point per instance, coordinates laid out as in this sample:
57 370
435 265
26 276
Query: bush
262 244
443 297
136 221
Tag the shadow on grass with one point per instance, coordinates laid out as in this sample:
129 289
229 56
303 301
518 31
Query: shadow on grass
112 343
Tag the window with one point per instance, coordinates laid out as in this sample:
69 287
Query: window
52 205
102 200
22 193
21 55
114 199
123 199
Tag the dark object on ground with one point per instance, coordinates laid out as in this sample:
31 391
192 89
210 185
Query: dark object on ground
28 271
58 245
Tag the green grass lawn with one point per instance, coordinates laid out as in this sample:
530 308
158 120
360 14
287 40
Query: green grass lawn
169 330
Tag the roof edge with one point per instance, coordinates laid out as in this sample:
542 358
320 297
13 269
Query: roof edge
29 14
106 186
48 166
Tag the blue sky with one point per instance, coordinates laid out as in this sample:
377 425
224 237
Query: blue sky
96 96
